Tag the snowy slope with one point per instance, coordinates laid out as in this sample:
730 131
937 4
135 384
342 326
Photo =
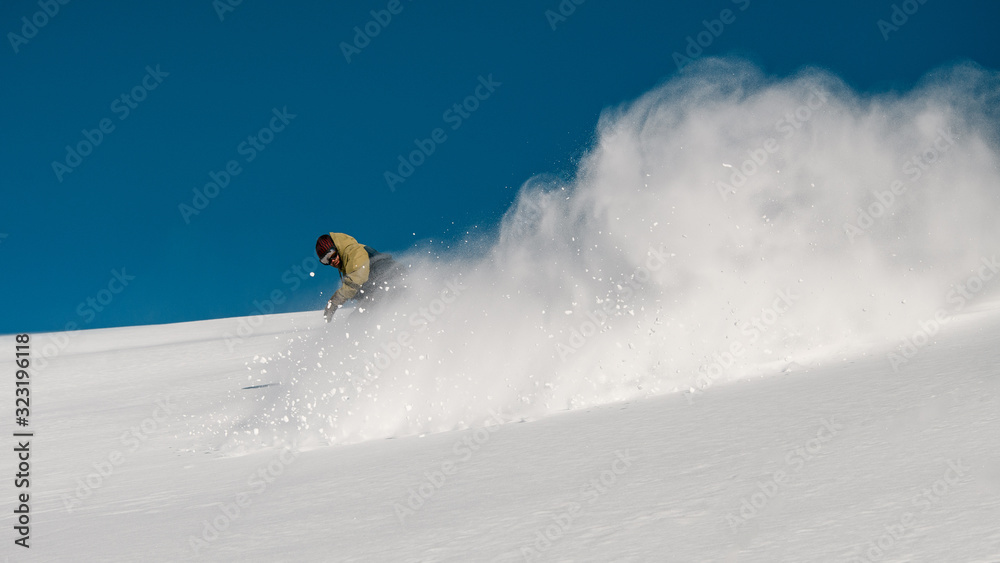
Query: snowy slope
863 450
759 323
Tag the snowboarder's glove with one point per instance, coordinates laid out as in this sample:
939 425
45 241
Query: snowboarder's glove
330 309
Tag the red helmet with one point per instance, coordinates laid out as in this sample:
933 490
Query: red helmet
323 245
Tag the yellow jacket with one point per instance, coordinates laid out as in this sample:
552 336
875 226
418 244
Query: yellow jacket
354 267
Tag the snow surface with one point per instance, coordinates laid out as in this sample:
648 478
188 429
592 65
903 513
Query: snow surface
861 446
655 360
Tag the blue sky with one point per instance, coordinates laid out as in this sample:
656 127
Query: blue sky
156 100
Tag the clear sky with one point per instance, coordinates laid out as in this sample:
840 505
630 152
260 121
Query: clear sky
117 116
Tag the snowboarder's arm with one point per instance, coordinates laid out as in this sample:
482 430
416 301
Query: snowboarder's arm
355 267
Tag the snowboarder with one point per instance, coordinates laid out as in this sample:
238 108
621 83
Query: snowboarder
365 272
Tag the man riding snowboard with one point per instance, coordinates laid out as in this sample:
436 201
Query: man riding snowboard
363 269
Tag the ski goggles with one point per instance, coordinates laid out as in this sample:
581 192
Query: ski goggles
325 260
